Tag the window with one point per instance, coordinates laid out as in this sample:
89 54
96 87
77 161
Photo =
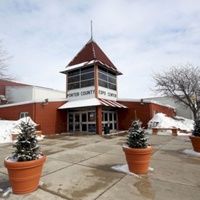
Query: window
23 114
87 69
81 78
87 83
73 86
103 83
73 73
84 127
91 116
73 79
84 117
106 116
107 78
70 118
91 127
87 76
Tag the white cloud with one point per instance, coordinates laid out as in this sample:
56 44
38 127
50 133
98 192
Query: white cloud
139 37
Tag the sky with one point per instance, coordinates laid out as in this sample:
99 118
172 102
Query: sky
140 37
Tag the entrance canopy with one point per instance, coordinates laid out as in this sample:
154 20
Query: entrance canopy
111 103
91 102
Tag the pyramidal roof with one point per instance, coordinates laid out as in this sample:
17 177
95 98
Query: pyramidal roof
92 52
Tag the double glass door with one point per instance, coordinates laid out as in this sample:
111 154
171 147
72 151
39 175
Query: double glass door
85 121
109 118
82 121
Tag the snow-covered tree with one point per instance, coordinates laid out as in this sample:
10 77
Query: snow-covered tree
136 136
27 147
196 131
182 83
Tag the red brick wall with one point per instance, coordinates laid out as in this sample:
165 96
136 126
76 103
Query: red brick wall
134 111
49 117
161 109
144 112
13 112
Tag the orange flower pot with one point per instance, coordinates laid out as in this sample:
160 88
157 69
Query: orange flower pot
24 176
195 143
14 136
138 159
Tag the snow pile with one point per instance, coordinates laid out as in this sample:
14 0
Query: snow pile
160 120
191 152
8 127
124 169
6 130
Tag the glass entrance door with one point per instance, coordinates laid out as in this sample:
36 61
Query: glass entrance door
83 121
77 121
74 122
71 122
109 118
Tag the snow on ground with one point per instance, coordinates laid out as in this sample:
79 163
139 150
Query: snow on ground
9 127
191 152
124 169
160 120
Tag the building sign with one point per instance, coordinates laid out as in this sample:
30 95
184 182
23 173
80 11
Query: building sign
79 94
106 93
89 92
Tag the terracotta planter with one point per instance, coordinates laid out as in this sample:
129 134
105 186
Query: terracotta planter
24 176
138 159
195 143
14 136
38 133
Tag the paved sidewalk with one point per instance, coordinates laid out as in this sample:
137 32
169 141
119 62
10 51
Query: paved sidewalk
79 168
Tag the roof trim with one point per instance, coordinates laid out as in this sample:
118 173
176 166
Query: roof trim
81 103
87 63
31 102
91 102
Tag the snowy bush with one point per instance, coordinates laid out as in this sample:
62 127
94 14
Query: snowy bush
136 136
27 147
196 131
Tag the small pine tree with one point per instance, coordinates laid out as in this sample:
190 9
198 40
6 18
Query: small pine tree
136 136
196 131
27 147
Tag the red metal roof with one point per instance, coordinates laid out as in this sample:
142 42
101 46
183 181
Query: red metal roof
110 103
91 51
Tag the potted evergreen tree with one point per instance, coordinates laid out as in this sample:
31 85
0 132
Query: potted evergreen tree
195 137
25 164
137 149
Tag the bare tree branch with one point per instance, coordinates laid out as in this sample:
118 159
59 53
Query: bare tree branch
4 59
182 83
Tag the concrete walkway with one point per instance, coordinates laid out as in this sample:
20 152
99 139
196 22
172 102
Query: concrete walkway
79 168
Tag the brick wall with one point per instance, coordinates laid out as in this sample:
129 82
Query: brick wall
136 110
13 112
48 116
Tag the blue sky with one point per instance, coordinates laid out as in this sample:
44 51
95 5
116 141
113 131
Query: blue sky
139 36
